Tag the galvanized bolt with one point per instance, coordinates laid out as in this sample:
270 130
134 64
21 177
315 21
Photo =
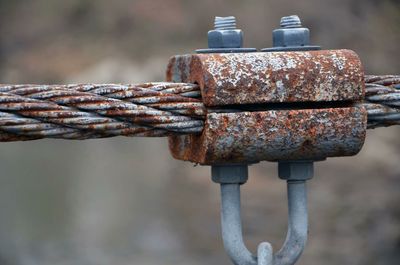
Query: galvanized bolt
225 37
290 22
291 36
291 33
225 34
221 23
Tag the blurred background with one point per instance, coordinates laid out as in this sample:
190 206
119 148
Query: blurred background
125 200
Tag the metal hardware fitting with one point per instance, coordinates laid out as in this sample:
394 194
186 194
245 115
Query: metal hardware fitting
296 237
225 38
291 36
271 134
275 77
249 137
285 98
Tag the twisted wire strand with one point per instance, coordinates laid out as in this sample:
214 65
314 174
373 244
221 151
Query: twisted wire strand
382 100
29 112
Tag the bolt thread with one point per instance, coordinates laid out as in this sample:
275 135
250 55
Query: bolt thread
222 23
290 22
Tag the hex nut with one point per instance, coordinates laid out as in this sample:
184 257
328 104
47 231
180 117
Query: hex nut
285 37
295 170
230 38
229 174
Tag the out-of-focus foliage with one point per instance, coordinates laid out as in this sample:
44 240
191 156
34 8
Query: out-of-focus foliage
125 200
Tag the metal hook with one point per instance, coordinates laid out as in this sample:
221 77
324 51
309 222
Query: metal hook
230 178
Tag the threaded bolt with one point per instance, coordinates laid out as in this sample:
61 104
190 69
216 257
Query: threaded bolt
291 36
290 22
224 23
225 37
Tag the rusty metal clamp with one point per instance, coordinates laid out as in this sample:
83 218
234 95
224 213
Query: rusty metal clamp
285 105
273 106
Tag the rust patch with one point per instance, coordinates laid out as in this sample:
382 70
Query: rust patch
247 137
272 77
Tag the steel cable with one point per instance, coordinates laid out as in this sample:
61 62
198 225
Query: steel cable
382 100
29 112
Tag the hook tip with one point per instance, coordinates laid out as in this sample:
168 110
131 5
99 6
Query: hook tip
264 254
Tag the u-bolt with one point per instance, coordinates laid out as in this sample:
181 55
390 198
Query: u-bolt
231 177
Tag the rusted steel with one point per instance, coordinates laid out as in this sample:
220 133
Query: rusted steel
382 100
30 112
247 137
75 122
255 78
383 80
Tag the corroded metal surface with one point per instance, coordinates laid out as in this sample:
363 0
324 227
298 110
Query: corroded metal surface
382 100
247 137
252 78
29 112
